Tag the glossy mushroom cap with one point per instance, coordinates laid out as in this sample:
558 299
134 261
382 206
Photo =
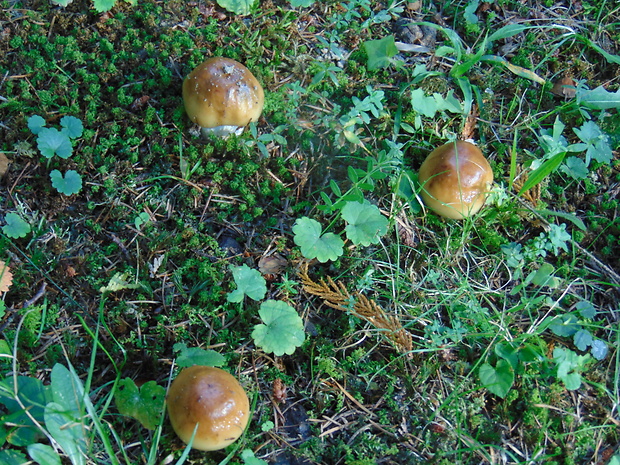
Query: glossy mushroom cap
222 96
211 398
455 180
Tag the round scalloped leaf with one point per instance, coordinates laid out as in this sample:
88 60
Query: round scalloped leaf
282 330
51 141
15 227
366 223
72 126
145 404
249 282
36 123
69 184
314 245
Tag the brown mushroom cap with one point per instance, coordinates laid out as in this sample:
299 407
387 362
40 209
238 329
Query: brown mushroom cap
222 92
455 180
211 398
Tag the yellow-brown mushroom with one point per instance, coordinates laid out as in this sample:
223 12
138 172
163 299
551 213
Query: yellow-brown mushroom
455 180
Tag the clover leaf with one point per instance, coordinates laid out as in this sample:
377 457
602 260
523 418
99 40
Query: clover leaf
15 227
366 223
70 184
249 282
51 141
282 330
145 404
323 247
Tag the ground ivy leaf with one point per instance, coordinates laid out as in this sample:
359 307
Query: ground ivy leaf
238 7
586 309
15 227
51 141
282 330
103 5
249 282
498 379
599 349
307 235
366 223
70 184
145 404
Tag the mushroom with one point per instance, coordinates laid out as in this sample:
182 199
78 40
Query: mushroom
210 401
455 180
222 96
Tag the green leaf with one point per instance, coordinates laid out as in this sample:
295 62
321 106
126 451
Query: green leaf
72 126
575 167
582 339
43 454
498 379
102 6
586 309
144 404
70 184
313 244
67 390
282 330
564 325
508 31
35 124
469 13
51 141
70 434
12 457
599 349
543 276
422 104
301 3
118 282
250 459
249 282
238 7
598 99
366 223
15 227
544 170
380 52
189 356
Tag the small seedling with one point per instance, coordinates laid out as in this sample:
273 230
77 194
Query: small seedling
51 141
249 282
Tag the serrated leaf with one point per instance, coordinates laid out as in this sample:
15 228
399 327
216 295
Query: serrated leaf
282 330
366 223
249 282
118 282
145 404
15 227
69 184
564 325
189 356
582 339
102 6
50 142
250 459
498 379
380 52
598 99
586 309
599 349
35 124
72 126
575 168
313 244
238 7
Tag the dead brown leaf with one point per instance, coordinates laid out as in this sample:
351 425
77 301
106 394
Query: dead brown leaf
4 164
6 277
564 87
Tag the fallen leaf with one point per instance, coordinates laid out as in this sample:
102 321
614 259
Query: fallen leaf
272 264
565 87
6 277
4 164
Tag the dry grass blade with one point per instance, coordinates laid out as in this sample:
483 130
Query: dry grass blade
335 295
